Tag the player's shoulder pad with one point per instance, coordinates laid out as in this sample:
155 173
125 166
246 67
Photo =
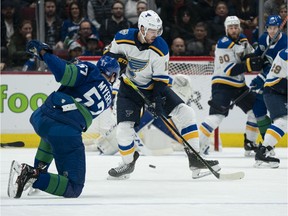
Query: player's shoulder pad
159 46
225 43
284 54
126 36
242 38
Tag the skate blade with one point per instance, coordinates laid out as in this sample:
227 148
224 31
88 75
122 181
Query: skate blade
123 177
15 171
32 191
249 154
196 174
263 164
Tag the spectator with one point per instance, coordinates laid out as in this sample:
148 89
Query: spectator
53 25
247 12
184 24
283 15
271 7
206 9
200 45
216 26
99 10
17 46
74 50
9 25
140 7
71 25
178 47
212 50
110 26
84 32
92 47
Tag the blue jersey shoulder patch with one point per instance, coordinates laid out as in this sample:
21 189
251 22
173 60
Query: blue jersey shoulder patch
284 54
126 36
225 43
160 46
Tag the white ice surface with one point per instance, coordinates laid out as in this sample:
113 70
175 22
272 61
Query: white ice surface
164 191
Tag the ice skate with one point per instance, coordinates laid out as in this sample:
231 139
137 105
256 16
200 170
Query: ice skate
123 170
21 178
250 147
263 155
196 165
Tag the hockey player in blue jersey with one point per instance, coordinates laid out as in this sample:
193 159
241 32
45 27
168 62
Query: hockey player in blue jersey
232 59
148 57
272 25
85 92
275 97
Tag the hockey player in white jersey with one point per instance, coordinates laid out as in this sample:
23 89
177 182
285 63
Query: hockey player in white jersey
148 57
275 97
232 59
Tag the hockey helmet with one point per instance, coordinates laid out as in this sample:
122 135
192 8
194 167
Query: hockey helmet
231 20
108 66
150 20
273 20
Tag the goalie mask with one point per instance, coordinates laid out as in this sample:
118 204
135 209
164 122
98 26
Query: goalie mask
231 20
150 20
108 66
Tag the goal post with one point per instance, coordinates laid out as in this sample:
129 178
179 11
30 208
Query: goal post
199 70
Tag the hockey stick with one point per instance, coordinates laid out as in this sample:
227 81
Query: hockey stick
275 36
231 176
223 109
13 144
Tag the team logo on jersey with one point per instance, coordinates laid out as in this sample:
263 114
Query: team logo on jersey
136 65
129 113
124 31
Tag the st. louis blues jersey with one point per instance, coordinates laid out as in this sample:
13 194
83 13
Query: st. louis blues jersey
146 62
84 93
278 74
227 54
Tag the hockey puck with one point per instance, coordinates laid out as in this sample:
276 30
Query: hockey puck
152 166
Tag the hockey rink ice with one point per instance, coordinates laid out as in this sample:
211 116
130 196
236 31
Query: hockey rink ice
165 190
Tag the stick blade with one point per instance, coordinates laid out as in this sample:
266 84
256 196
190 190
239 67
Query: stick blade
232 176
13 144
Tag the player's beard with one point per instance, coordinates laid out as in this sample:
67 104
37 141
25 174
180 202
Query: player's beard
234 36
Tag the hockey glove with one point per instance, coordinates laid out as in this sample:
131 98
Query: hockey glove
254 63
34 47
258 82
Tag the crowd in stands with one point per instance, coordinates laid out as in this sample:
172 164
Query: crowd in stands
85 27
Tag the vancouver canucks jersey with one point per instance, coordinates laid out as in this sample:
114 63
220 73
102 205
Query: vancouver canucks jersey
278 74
84 93
227 54
146 62
271 53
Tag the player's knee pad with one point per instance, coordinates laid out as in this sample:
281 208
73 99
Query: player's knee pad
214 120
251 116
125 133
184 114
73 190
281 123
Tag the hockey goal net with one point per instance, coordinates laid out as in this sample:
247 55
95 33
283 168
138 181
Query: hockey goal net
199 69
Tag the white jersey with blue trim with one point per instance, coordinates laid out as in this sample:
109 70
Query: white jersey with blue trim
279 69
227 54
146 62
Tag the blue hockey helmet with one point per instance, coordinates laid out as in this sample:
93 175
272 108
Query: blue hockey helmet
273 20
108 66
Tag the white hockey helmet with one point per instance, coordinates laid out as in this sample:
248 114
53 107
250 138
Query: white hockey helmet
231 20
150 20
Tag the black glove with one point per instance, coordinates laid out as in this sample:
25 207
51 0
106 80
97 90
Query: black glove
34 47
254 63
